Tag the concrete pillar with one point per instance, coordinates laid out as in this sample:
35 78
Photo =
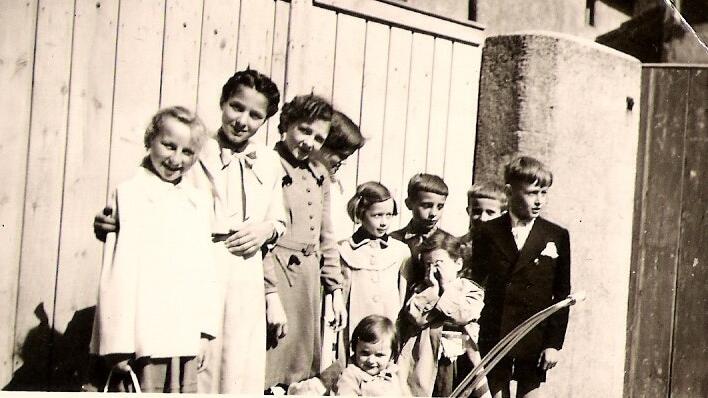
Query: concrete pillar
573 104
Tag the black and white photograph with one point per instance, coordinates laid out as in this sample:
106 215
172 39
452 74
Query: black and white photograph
429 198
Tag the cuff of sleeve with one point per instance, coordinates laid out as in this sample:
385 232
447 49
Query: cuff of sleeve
447 303
278 231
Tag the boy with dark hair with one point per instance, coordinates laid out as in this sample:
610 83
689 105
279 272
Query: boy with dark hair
524 262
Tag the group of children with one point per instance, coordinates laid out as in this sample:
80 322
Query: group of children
226 249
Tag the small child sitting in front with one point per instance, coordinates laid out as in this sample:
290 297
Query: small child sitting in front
372 371
157 305
434 322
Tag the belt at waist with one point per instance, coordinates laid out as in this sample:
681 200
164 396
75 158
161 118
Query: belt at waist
306 248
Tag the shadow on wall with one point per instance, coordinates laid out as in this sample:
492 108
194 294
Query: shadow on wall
53 361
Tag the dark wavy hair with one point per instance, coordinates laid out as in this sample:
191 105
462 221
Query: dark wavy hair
372 329
304 108
529 170
257 81
344 136
366 195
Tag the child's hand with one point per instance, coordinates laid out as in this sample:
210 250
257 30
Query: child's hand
248 238
548 358
434 281
340 311
203 356
276 320
103 223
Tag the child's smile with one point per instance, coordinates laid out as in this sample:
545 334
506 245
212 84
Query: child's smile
243 114
172 152
304 138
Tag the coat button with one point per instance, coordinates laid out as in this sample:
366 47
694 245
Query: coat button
312 228
308 190
309 203
375 299
311 216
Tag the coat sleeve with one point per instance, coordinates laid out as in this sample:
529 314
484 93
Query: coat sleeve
558 322
461 303
209 292
420 308
275 214
331 270
478 261
348 384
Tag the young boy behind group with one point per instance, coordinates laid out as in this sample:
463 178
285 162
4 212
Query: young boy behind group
427 194
524 262
485 201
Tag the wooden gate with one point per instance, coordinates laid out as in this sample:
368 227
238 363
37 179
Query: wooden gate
667 344
80 79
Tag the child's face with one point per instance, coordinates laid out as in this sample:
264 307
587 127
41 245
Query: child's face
440 265
427 208
372 358
172 152
483 209
242 114
526 200
303 138
376 219
333 159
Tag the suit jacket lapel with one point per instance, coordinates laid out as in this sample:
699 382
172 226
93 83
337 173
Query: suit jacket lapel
533 245
504 239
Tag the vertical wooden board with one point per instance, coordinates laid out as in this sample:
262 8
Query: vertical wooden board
373 101
310 63
278 61
439 102
255 45
346 94
218 57
45 169
659 233
85 179
137 83
395 113
690 348
421 76
461 134
17 24
87 150
180 59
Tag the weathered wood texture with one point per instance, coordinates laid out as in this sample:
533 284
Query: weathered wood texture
86 76
668 314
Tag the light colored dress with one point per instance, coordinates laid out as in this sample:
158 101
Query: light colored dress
372 274
245 186
159 291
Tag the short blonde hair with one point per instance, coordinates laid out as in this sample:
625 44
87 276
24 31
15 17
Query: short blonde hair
181 114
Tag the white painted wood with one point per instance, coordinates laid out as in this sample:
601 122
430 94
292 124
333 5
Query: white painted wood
218 57
45 174
180 61
466 32
137 83
373 101
87 151
421 76
462 129
395 113
278 63
17 32
439 102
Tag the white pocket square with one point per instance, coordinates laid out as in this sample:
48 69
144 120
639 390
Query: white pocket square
550 250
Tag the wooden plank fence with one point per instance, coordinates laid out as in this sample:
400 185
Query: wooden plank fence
667 345
85 76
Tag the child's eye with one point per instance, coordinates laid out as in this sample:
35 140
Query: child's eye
237 106
257 115
188 152
169 145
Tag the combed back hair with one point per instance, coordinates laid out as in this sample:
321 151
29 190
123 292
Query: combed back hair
374 328
422 182
198 131
366 195
487 190
255 80
344 135
304 108
529 170
438 240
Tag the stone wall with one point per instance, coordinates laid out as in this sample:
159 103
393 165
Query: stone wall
573 104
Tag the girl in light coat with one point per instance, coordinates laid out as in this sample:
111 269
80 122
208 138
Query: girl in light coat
157 302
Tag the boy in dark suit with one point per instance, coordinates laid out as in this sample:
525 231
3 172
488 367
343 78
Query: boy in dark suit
523 261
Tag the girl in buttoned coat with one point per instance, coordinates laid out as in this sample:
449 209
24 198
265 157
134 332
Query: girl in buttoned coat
371 260
305 259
